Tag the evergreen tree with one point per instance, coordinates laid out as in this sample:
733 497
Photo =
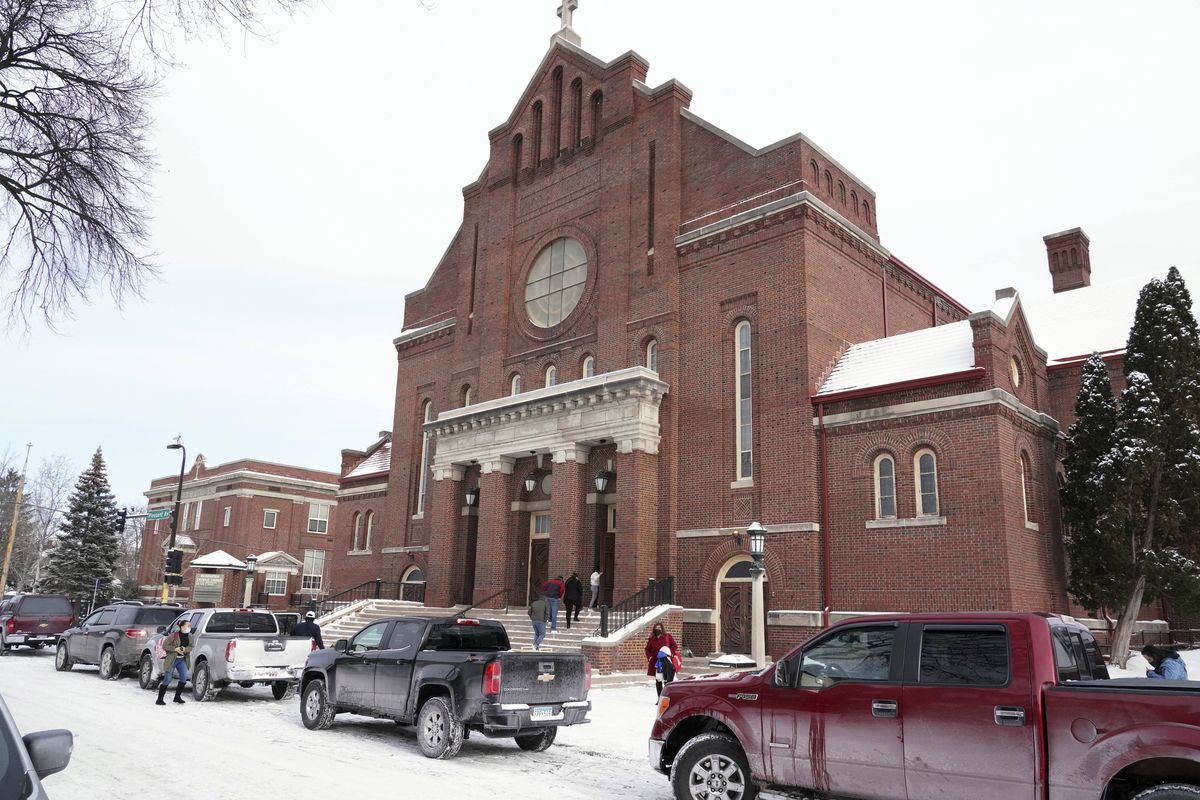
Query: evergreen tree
88 542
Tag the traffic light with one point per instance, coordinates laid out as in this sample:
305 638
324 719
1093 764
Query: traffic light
174 567
121 515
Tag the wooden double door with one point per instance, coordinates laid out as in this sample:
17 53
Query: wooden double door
736 617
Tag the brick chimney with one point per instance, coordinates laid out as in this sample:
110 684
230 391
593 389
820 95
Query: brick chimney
1070 264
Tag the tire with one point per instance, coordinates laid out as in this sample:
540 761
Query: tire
1170 791
146 672
110 670
439 731
62 659
246 684
316 712
712 765
537 742
202 683
280 689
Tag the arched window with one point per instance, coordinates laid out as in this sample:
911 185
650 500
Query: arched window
589 367
576 112
842 192
885 487
466 395
1025 486
828 183
854 201
412 585
867 211
816 173
413 575
514 385
537 134
370 528
551 375
597 114
652 355
556 131
423 483
517 142
357 531
1074 257
743 404
925 469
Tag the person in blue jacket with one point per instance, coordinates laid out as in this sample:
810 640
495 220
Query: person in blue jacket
1166 664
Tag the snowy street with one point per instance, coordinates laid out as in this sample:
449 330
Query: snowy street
245 745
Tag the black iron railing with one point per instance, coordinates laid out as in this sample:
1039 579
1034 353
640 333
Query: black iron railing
492 596
377 589
657 593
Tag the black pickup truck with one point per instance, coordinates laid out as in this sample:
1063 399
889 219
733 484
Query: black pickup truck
450 676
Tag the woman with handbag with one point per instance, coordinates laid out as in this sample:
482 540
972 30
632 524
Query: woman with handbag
177 645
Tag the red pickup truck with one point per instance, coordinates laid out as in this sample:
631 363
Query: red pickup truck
986 706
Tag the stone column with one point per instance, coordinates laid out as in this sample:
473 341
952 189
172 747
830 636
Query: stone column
571 533
637 521
443 520
496 562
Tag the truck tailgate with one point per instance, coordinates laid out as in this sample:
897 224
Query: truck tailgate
541 678
269 651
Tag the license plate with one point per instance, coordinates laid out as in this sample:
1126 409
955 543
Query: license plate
273 647
542 712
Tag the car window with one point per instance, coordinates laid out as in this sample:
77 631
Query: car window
406 636
90 619
453 636
46 606
241 622
964 656
1093 657
154 617
368 638
1064 656
105 617
126 615
858 654
195 620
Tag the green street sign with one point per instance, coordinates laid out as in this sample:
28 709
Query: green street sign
159 513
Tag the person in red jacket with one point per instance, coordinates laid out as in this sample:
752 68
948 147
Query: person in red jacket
659 638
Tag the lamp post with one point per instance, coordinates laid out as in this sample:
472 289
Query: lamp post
472 496
601 481
758 634
176 445
251 565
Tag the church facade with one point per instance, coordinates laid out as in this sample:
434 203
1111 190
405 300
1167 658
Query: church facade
646 334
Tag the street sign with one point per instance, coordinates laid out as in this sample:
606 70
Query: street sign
159 513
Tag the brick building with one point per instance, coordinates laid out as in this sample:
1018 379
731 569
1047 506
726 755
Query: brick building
646 334
284 515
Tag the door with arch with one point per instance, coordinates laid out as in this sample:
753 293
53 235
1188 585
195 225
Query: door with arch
412 585
539 553
733 606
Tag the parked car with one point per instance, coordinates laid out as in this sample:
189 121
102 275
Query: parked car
33 620
232 645
451 676
982 706
25 760
113 636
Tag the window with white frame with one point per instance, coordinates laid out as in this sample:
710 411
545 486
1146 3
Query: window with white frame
318 518
357 532
743 409
652 355
314 570
1025 487
270 516
885 487
589 367
925 468
156 525
551 375
467 395
612 519
228 513
196 519
185 516
276 582
423 480
514 385
370 528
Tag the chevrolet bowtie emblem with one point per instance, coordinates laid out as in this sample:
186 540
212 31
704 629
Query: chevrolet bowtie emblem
546 676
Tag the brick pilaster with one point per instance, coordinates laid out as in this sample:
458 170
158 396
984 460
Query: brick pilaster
445 523
572 522
637 522
498 559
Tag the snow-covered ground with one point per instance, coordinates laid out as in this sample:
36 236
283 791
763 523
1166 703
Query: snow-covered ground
245 745
1136 666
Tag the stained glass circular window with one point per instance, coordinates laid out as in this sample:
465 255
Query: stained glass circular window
555 283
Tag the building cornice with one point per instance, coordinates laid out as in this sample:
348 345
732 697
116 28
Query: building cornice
425 333
941 405
242 475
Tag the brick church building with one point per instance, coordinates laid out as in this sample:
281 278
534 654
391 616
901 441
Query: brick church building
646 334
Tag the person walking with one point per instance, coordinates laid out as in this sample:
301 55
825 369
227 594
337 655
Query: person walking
553 591
573 597
177 645
539 614
1165 663
310 628
595 582
658 640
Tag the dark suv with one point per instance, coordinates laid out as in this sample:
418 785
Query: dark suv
113 636
33 620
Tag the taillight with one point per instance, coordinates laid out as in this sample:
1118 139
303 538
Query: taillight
587 676
231 650
314 644
465 621
10 626
491 678
135 633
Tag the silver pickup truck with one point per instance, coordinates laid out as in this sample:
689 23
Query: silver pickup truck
233 645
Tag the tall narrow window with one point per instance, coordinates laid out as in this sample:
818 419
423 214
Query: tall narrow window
597 113
885 487
537 134
370 529
828 182
514 385
357 532
556 131
744 405
196 520
589 367
867 211
423 483
318 518
467 395
854 201
576 113
842 192
816 173
1025 487
925 467
518 142
314 571
228 514
652 355
551 375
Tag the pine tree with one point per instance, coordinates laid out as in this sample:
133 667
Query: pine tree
88 543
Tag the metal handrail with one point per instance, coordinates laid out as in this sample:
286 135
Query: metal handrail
657 593
463 613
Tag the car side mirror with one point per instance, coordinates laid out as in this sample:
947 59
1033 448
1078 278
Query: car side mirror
50 751
781 675
161 629
342 645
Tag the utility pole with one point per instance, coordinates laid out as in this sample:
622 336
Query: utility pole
12 529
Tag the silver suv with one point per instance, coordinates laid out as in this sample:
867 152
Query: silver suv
114 636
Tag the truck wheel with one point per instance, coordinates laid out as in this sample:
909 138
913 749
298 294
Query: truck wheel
146 672
712 765
62 661
110 670
316 711
280 689
1170 791
202 683
537 742
439 732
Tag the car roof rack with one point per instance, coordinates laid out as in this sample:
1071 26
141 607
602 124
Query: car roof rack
127 603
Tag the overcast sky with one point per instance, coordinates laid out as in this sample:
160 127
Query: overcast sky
309 181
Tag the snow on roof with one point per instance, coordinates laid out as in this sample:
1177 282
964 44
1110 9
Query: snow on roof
218 559
379 461
926 353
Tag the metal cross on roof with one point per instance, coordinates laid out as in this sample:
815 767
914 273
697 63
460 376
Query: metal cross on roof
566 11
